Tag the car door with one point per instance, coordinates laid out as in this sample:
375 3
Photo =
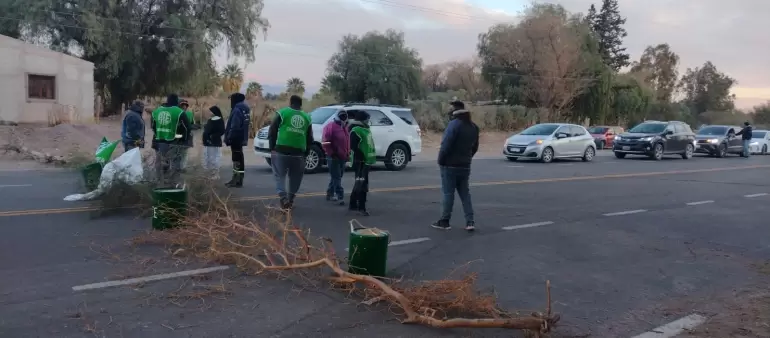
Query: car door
674 140
561 147
577 141
383 131
736 143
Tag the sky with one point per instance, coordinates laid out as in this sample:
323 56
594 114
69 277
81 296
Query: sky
304 34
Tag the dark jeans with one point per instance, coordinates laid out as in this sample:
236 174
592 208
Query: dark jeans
237 156
456 179
291 167
336 170
360 186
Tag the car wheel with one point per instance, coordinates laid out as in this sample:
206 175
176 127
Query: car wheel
547 155
588 155
512 159
722 151
396 157
657 152
602 144
620 155
688 152
764 149
313 160
269 162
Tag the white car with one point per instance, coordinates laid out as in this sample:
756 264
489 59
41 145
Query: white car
760 139
394 130
549 141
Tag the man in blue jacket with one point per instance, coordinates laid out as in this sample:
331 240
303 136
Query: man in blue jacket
237 136
458 146
132 131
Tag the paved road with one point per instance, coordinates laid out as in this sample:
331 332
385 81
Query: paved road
624 242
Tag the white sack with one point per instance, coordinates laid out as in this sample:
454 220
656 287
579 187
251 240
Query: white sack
127 168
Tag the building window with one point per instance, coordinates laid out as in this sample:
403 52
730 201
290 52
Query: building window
41 87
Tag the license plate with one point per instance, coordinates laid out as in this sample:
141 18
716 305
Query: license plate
626 148
518 150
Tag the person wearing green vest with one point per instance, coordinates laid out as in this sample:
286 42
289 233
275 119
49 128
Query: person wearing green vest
189 140
170 126
290 136
364 155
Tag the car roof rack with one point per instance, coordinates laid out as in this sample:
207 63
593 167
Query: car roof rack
348 104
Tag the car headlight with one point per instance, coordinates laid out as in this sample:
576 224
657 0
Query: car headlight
754 143
648 138
618 138
713 141
536 142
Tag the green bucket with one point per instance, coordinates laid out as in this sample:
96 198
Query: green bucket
169 205
368 251
91 174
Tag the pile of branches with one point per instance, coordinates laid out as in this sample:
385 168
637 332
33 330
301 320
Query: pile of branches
222 234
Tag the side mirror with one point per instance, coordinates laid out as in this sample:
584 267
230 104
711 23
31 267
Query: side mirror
668 132
561 135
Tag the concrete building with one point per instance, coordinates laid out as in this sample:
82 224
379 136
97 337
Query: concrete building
38 85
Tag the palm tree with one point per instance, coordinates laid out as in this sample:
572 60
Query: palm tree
295 86
232 78
254 89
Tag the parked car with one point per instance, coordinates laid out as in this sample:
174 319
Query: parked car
549 141
656 139
604 135
394 130
718 140
759 141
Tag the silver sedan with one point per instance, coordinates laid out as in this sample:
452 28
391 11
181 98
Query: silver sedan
549 141
760 142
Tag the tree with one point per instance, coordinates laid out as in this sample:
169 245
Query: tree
254 89
295 86
761 114
631 99
434 78
660 67
375 66
608 26
590 18
141 47
707 89
232 78
466 75
205 81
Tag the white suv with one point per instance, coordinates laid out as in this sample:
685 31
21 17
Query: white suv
394 129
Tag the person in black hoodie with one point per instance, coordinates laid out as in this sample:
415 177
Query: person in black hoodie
237 136
168 158
364 155
746 134
212 142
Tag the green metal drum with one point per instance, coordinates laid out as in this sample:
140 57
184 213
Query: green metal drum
91 174
368 251
168 208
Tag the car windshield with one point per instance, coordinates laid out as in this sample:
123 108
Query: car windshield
540 129
322 114
713 130
597 130
758 134
648 128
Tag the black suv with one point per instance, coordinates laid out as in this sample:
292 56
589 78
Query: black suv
656 139
718 140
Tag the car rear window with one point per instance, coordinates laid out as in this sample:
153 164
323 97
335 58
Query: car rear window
405 115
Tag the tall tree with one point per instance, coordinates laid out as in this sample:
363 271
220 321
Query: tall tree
142 47
707 89
590 18
610 32
254 89
295 86
761 114
659 65
375 66
434 77
232 78
466 76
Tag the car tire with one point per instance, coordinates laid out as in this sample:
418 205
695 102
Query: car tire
512 159
688 151
400 160
602 144
657 152
588 154
620 155
721 151
764 149
314 160
547 156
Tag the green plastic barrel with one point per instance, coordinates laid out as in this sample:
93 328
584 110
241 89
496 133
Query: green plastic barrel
168 207
368 251
91 174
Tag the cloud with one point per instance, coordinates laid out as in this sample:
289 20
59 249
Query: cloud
304 33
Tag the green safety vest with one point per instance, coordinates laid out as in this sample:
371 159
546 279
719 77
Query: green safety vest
190 116
166 121
293 129
366 145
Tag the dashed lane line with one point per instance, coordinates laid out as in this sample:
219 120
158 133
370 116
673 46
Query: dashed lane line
405 242
149 278
700 202
674 328
755 195
627 212
524 226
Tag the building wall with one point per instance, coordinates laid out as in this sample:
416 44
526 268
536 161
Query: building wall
74 90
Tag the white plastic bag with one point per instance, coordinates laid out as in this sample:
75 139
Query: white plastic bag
127 168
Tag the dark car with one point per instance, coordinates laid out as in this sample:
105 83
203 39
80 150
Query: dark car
604 135
656 139
718 140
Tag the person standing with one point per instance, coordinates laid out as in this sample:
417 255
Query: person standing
132 130
746 137
364 155
188 137
212 142
170 125
290 136
458 146
237 136
336 145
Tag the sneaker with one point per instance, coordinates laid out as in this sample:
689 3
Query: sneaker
470 226
441 224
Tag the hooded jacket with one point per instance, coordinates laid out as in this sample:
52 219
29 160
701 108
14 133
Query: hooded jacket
132 130
746 133
238 124
336 140
460 142
214 129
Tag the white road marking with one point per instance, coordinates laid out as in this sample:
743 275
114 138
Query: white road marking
755 195
524 226
404 242
674 328
700 202
627 212
149 278
565 164
515 166
14 185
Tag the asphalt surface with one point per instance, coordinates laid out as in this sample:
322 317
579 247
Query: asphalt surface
620 241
